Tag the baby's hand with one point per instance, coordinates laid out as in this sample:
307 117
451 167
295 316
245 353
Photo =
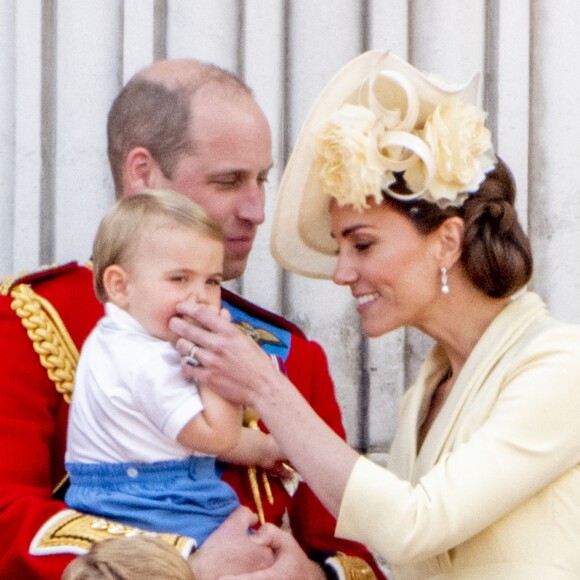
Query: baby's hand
272 455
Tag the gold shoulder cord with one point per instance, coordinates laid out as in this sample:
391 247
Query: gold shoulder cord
50 338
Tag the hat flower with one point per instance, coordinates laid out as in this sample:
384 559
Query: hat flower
351 168
462 152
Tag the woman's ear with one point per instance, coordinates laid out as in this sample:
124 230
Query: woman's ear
141 171
451 233
116 281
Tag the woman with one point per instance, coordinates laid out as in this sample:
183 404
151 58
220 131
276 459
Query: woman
394 190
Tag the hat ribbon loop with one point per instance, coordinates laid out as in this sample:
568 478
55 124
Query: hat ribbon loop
398 148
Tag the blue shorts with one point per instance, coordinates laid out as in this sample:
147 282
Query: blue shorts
183 497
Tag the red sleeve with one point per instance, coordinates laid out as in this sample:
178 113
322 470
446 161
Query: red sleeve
312 525
33 418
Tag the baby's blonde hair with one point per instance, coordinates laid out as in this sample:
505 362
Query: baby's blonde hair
129 558
121 229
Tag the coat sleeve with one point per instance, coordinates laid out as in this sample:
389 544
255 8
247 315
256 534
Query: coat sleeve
523 457
312 524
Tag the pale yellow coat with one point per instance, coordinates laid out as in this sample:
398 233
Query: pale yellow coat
495 491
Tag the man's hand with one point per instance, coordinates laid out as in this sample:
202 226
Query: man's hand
231 550
290 562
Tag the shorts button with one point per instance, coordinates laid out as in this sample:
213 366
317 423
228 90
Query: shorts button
132 472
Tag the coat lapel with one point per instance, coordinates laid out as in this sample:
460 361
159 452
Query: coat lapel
452 425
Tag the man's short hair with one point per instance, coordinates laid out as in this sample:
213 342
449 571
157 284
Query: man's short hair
156 114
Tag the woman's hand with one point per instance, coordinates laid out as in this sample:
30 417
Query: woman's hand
230 362
234 366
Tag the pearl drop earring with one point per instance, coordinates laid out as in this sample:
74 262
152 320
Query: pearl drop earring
444 285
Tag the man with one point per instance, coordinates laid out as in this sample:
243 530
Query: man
197 129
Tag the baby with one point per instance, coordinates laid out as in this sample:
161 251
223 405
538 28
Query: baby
143 440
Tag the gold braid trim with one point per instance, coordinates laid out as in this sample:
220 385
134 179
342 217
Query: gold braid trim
71 532
50 338
5 284
352 567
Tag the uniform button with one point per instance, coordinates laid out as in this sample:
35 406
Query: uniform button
117 529
100 524
132 472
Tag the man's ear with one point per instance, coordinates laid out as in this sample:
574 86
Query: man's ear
141 171
115 281
451 233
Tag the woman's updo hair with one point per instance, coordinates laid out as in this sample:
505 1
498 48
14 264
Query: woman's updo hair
496 252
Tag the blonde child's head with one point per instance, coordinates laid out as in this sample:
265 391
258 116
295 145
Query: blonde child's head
130 558
134 216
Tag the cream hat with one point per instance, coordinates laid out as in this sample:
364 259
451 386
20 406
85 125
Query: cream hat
399 93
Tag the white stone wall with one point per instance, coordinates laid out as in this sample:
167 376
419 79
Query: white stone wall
63 61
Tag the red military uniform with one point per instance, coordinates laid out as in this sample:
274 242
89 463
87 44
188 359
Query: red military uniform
38 363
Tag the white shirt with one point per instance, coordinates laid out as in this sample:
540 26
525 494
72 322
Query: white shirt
130 399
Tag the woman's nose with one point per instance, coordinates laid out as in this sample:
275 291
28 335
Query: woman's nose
344 272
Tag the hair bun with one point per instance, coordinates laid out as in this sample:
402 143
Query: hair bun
495 208
491 212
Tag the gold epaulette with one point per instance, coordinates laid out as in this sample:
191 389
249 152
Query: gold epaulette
71 532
